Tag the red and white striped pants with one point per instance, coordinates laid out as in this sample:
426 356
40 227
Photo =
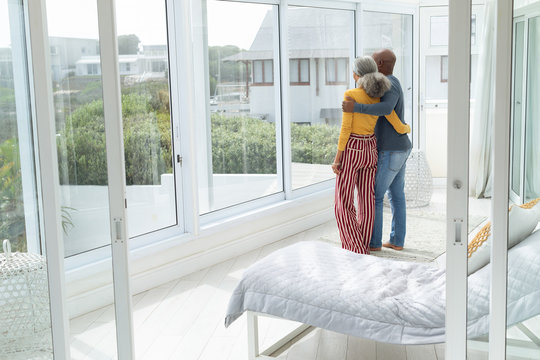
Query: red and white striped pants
358 167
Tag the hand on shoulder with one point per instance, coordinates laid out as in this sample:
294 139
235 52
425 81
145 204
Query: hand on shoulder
348 104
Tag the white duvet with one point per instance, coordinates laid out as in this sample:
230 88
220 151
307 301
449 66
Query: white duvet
375 298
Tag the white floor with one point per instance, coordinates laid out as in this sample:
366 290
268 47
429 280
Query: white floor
184 320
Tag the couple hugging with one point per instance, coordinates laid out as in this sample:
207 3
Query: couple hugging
372 150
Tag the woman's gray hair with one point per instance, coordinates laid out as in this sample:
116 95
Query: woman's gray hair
371 80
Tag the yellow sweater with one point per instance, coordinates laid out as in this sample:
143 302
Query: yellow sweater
364 124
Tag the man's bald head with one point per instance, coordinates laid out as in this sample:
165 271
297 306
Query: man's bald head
385 59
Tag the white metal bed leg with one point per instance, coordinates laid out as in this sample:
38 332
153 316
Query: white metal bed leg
253 335
525 330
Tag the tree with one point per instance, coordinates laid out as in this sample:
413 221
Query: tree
224 71
128 44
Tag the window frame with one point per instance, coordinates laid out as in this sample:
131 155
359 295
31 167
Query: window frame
299 82
336 71
263 82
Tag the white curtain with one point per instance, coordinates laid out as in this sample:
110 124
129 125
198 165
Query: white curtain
482 117
532 130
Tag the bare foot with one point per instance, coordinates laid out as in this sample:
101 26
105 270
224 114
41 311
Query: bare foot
392 246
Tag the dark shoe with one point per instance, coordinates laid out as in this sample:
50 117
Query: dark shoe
374 249
392 246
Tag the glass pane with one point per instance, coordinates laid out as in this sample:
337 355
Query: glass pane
25 323
293 71
394 32
480 177
532 127
316 118
342 70
330 70
144 74
80 128
257 71
439 31
304 71
237 153
523 323
517 110
268 72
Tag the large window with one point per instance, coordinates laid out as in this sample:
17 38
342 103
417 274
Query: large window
315 119
151 197
80 126
18 194
238 145
146 114
395 32
25 322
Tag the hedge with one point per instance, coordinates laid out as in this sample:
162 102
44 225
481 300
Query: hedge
240 144
147 144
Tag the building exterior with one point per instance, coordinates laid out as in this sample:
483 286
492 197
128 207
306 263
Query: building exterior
319 70
150 63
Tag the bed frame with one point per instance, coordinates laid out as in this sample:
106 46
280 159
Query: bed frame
253 337
522 348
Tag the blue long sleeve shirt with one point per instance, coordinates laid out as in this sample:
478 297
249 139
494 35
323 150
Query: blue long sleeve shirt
387 138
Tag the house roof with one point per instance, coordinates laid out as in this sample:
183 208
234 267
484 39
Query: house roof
313 33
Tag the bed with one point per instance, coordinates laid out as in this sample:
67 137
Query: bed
389 301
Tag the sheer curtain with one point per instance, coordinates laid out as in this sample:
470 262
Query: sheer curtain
481 120
532 131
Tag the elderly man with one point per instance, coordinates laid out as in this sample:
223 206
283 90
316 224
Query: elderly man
393 149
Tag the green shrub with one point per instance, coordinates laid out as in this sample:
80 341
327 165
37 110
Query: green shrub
243 145
314 144
147 144
240 144
12 224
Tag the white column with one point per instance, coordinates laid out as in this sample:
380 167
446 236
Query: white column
501 171
112 108
42 100
459 49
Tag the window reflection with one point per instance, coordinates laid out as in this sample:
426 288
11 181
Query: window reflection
323 38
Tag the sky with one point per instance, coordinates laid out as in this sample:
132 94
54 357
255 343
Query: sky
229 23
234 23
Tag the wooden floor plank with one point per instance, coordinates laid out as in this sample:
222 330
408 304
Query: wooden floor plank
306 348
440 351
391 351
361 349
421 352
332 346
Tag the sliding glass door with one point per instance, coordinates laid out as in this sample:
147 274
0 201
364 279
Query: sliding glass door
523 235
25 316
76 74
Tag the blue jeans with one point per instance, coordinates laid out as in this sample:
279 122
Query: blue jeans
390 177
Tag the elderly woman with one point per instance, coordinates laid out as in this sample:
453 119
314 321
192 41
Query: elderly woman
355 163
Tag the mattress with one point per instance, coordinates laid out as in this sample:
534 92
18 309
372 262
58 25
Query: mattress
376 298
